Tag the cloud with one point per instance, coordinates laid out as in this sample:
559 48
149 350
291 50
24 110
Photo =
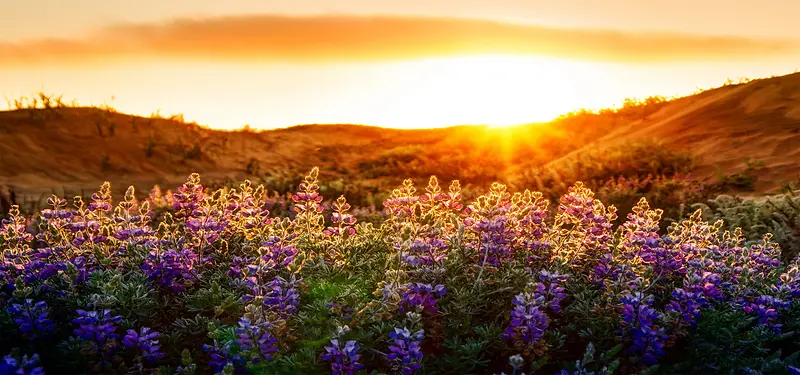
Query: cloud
345 38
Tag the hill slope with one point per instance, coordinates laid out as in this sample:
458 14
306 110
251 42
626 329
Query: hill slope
67 150
727 128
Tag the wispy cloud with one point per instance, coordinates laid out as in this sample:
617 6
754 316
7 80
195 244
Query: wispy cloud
342 38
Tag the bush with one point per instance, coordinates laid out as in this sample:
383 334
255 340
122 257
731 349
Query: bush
777 214
200 281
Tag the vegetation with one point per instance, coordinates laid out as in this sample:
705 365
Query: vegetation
201 281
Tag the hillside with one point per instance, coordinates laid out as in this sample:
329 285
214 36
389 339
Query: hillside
70 150
726 129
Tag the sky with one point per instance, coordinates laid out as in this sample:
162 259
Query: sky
406 64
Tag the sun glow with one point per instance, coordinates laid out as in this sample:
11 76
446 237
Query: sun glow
496 90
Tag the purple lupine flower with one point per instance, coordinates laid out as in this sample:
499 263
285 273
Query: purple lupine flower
145 342
687 304
188 197
424 295
405 351
425 252
219 357
174 269
307 205
401 204
496 238
235 270
276 253
344 359
589 218
698 290
766 308
528 320
24 366
640 320
553 290
282 297
640 233
39 271
256 340
605 269
32 319
98 327
342 220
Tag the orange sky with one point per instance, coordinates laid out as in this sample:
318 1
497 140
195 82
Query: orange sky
391 63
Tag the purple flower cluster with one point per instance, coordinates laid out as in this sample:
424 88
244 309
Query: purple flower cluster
438 203
206 224
405 351
219 357
32 319
173 269
275 254
307 207
496 237
425 252
697 293
589 223
188 198
641 323
282 297
145 342
98 327
528 320
278 297
421 296
534 229
255 340
343 359
766 308
402 203
24 366
342 221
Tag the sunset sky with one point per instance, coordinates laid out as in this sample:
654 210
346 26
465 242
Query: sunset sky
409 63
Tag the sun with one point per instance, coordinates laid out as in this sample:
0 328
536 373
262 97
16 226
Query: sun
498 90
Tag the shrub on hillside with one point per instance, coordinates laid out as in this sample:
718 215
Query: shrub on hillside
777 214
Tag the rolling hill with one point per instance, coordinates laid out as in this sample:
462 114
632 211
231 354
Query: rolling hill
70 150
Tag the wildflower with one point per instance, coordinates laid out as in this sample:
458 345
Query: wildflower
766 308
344 359
528 320
553 291
221 358
24 366
256 340
145 343
98 327
342 221
421 295
640 320
173 269
405 350
282 297
32 319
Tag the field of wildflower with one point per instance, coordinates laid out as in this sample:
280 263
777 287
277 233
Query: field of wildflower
202 282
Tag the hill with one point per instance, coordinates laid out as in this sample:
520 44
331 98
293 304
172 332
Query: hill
751 128
70 150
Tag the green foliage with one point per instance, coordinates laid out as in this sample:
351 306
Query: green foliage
778 214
